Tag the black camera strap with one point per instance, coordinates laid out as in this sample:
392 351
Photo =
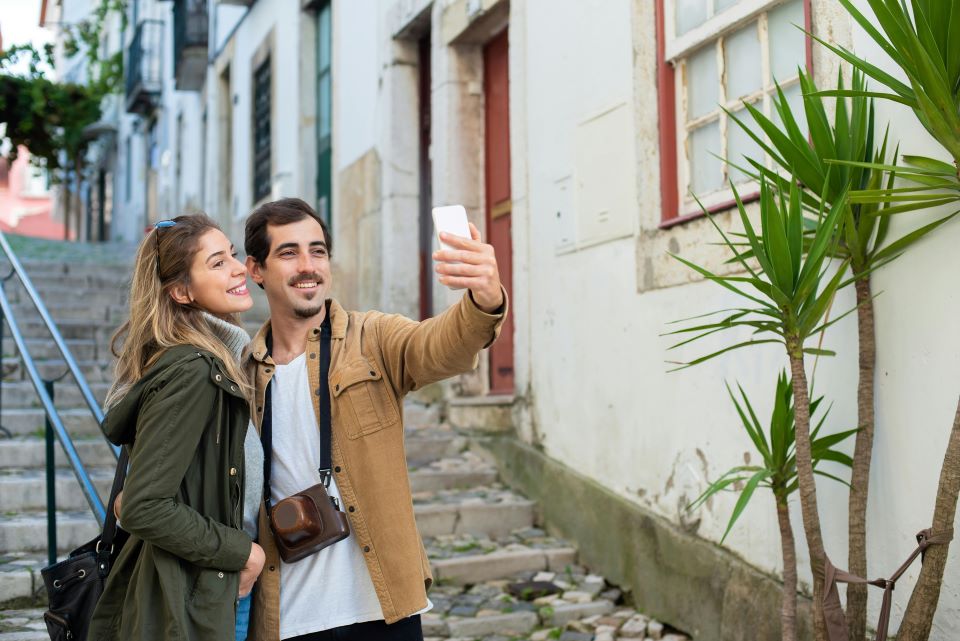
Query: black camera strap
323 392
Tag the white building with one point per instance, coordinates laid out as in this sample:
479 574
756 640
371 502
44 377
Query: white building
573 132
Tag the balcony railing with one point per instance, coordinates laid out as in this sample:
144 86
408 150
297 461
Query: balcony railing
144 69
190 28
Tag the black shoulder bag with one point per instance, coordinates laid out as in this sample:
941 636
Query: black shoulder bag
75 584
311 520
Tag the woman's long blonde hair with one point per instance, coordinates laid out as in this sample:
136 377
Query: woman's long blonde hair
157 322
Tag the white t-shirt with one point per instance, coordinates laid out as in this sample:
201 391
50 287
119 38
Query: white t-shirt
331 588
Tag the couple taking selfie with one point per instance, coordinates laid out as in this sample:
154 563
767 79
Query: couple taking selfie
267 495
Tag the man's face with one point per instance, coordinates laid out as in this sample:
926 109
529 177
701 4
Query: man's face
296 273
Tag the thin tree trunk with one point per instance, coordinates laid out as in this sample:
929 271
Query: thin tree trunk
79 208
66 207
862 456
808 486
918 618
788 608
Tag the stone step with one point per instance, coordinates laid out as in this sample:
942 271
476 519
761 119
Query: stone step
95 371
82 349
67 394
33 327
483 511
30 452
19 577
113 277
51 292
538 606
419 415
31 421
24 490
427 445
463 471
71 309
27 531
465 559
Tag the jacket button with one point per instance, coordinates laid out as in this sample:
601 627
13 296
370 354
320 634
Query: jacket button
351 508
337 469
220 574
272 568
268 369
218 378
366 548
318 391
233 388
313 355
337 387
259 409
233 471
372 373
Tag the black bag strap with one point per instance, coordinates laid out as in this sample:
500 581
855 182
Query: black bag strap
110 519
326 432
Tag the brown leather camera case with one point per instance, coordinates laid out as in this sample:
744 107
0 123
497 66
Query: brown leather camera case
306 523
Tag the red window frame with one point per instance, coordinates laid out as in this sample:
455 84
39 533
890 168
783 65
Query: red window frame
667 107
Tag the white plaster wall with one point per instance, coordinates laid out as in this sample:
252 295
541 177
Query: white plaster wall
602 399
283 18
129 207
356 61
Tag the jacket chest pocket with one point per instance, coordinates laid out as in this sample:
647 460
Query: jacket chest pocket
365 402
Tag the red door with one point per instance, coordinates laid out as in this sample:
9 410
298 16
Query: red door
496 89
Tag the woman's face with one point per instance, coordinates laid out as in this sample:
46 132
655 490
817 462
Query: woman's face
218 281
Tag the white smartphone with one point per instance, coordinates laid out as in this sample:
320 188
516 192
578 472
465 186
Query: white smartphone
453 220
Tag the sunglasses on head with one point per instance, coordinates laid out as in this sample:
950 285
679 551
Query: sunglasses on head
163 224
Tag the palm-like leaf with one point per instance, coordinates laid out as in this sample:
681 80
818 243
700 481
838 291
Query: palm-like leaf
788 294
777 470
922 40
841 156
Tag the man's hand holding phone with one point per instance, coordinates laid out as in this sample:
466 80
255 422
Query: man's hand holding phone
470 263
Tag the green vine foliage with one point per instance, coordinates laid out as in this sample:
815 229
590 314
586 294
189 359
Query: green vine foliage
50 117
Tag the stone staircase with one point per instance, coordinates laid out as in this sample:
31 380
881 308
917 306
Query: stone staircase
499 575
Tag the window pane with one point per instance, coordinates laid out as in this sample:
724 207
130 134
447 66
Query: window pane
706 173
323 103
702 82
795 100
742 61
323 38
690 14
723 5
788 45
740 145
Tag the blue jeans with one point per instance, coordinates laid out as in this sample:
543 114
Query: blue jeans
243 617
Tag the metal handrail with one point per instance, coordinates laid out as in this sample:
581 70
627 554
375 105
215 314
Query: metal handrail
86 485
78 376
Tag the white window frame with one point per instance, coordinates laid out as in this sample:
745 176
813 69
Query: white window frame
677 50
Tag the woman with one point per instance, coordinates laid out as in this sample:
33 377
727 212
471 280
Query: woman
179 400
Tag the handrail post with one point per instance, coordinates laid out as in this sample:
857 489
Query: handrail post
51 484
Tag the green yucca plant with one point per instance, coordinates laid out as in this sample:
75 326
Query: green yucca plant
923 39
841 157
777 471
785 300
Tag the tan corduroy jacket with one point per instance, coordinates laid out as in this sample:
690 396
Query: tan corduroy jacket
375 359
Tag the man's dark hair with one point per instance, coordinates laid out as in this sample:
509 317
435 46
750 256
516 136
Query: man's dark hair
256 242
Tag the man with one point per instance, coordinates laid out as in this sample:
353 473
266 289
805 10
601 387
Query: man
371 585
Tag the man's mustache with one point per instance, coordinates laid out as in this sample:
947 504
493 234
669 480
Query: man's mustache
305 278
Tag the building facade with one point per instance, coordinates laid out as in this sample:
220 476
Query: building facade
575 134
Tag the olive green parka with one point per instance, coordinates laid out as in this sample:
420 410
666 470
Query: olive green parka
178 574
